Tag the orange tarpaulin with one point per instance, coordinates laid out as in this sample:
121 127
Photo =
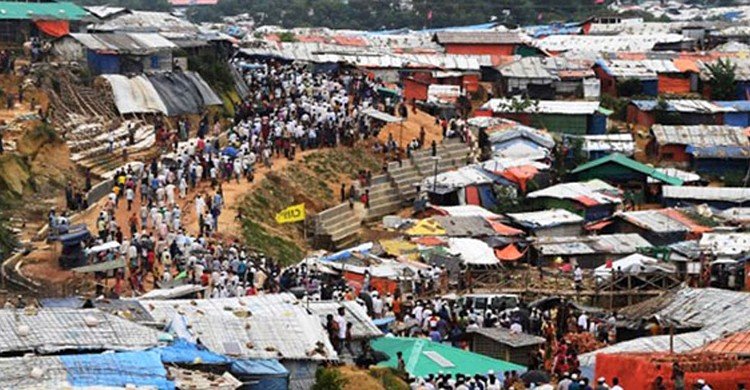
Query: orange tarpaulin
509 253
429 241
520 175
54 28
472 196
502 228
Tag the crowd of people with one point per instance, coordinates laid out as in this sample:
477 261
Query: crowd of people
289 109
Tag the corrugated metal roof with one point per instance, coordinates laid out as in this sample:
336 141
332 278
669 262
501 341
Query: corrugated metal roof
362 325
686 177
601 43
582 192
274 326
616 143
736 344
506 337
616 244
479 37
659 221
683 106
725 244
472 226
57 329
717 312
722 194
741 68
124 42
700 135
545 218
147 21
580 107
620 159
537 136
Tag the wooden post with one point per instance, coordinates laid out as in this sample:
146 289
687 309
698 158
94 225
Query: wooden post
630 286
612 291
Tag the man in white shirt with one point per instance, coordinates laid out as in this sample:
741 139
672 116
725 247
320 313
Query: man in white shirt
583 322
377 305
340 321
616 384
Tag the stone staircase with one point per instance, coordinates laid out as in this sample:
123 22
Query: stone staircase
338 226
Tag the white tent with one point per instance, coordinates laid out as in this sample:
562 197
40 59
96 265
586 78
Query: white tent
634 264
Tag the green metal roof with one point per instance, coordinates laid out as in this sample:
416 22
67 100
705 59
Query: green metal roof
41 11
423 357
620 159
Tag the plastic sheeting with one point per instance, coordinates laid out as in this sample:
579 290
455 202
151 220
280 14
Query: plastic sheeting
262 374
184 352
116 370
53 28
183 93
170 93
135 95
473 252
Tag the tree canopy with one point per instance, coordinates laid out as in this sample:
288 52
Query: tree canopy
380 14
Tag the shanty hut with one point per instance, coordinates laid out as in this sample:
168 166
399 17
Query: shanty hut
597 146
646 113
569 117
113 53
501 343
274 326
617 169
519 141
589 251
480 42
721 198
650 77
548 77
740 114
593 199
548 223
660 227
710 148
20 21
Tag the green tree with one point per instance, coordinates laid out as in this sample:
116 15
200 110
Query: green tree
329 379
722 79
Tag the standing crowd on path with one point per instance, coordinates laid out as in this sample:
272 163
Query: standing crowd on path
288 109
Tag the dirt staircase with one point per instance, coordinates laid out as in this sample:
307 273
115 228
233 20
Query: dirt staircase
385 198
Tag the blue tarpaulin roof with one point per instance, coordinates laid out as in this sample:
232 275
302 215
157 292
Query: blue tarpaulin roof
143 369
261 374
739 105
184 352
69 303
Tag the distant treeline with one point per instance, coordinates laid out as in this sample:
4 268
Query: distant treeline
381 14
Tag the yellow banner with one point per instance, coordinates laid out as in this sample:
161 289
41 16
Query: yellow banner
294 213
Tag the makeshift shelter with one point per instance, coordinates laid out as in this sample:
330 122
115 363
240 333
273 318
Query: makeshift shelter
21 20
47 331
273 326
598 146
660 227
617 169
646 113
425 357
638 370
547 223
480 42
569 117
589 251
473 252
592 199
469 185
740 114
716 149
713 312
261 374
116 52
521 141
633 264
501 343
143 369
547 77
717 197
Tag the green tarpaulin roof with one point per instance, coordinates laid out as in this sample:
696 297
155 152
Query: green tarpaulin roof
424 357
43 11
620 159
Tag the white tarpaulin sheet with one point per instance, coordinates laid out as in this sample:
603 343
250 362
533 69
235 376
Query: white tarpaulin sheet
634 264
473 251
135 95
